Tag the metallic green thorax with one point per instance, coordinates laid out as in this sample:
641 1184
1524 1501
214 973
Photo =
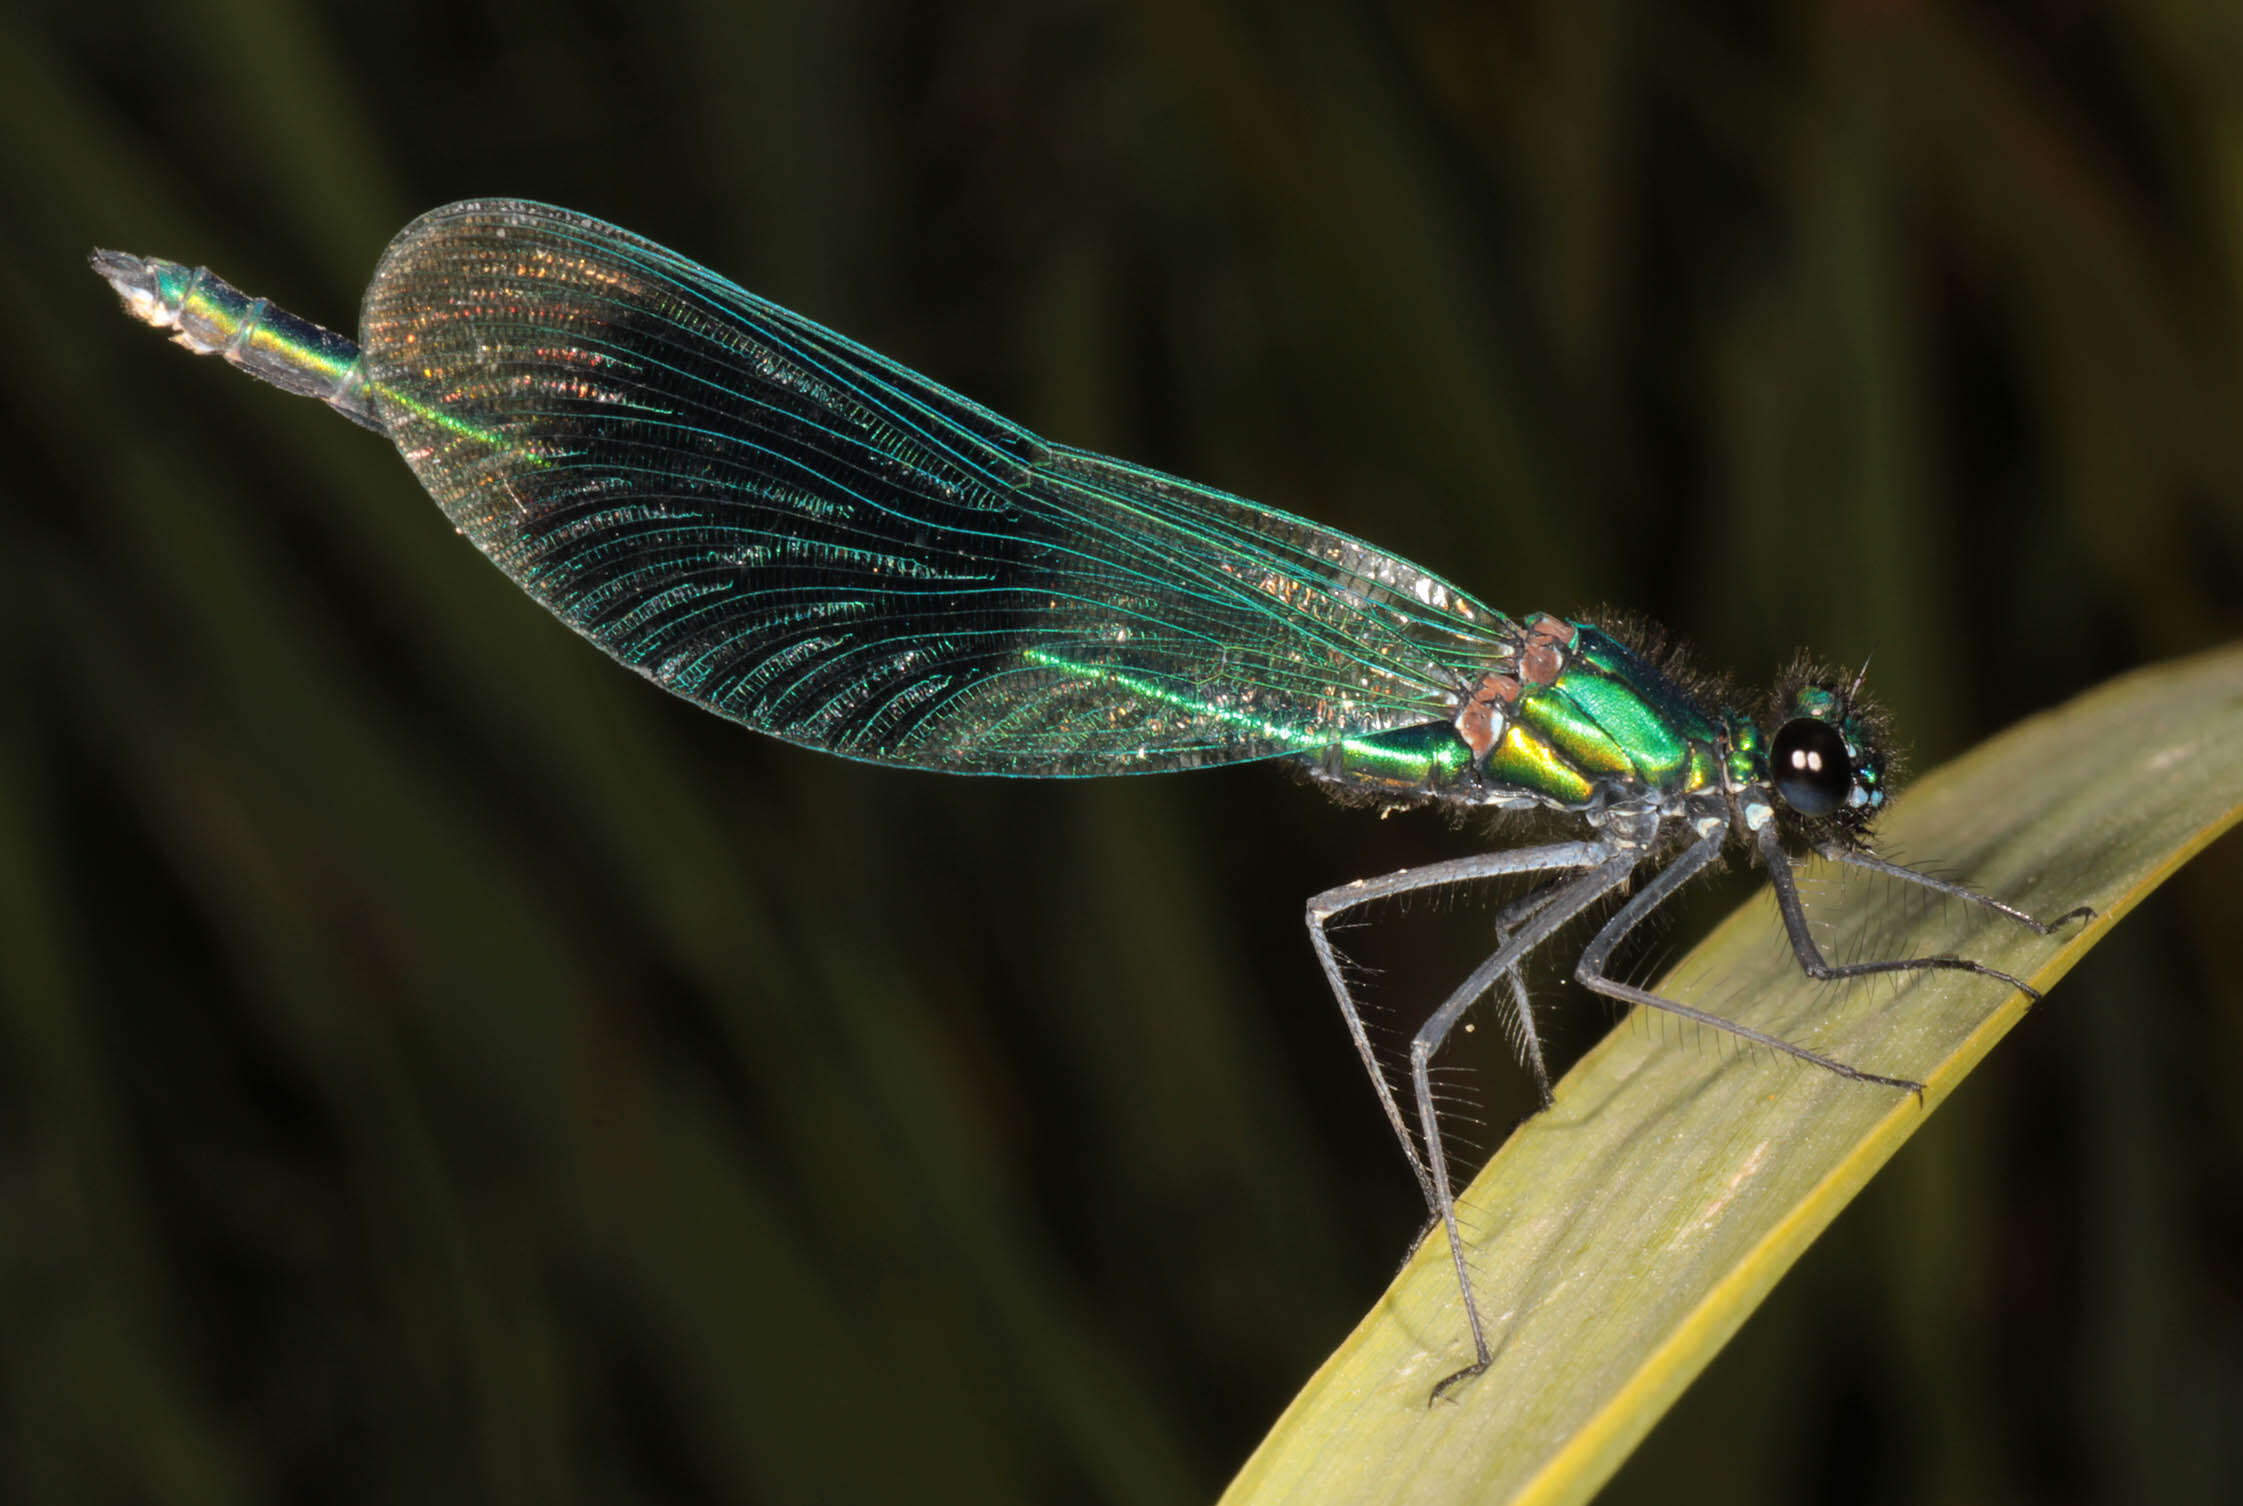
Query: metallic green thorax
1572 713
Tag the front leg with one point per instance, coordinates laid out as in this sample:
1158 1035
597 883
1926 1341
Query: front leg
1815 965
1839 853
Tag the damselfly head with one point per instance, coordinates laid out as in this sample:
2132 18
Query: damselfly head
1828 755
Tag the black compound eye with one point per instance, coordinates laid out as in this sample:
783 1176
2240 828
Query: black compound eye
1810 767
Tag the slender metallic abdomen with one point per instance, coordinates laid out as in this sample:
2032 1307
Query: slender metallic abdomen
210 316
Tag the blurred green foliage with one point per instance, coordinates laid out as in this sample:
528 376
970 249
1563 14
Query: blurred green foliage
439 1067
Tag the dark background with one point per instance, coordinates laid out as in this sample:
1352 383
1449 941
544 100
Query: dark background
436 1066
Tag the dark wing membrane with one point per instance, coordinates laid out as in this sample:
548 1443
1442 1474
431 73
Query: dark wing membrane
810 539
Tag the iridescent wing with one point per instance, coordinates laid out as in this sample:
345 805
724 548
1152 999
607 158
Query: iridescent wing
810 539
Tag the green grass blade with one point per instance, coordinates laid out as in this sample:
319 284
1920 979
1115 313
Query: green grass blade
1620 1238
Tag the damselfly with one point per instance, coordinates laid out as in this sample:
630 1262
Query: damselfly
806 537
